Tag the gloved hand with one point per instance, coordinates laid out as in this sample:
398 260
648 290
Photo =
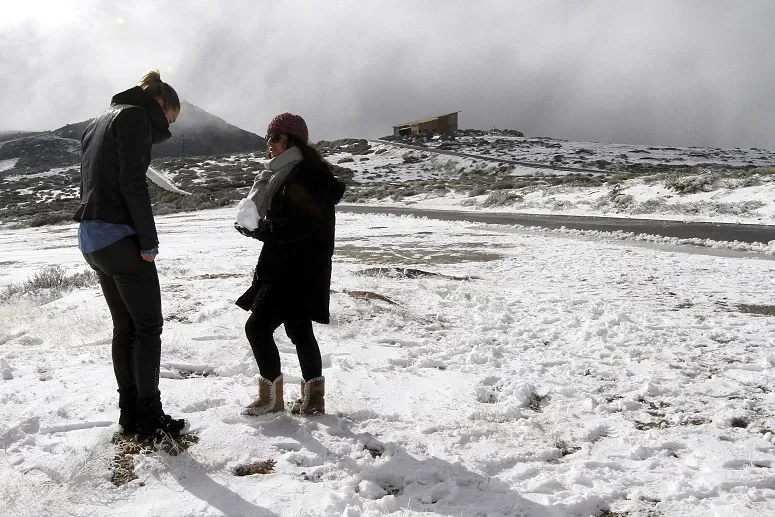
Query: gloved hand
244 231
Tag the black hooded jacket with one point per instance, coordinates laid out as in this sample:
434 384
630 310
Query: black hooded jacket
115 155
293 277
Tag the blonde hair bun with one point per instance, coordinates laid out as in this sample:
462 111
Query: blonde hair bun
149 79
152 84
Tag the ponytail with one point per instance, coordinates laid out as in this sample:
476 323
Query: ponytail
308 152
152 84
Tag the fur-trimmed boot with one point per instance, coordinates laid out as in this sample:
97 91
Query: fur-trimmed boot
270 398
312 398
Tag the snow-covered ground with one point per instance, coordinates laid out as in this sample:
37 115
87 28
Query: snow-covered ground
556 375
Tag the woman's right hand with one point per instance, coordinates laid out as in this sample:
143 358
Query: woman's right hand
244 231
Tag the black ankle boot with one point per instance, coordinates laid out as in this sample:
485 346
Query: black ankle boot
152 420
127 403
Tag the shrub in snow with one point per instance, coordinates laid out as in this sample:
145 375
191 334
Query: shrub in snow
691 183
46 219
765 171
50 281
350 145
413 158
477 191
502 197
622 201
503 185
735 183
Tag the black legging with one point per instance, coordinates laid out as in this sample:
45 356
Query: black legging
131 289
260 330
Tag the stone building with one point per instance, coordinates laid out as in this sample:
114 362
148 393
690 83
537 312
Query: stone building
440 125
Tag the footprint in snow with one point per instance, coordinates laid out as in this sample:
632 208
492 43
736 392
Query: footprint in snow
742 464
99 342
27 340
4 338
204 405
186 371
214 338
18 432
5 370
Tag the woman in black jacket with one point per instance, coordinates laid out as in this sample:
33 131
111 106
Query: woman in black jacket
117 236
291 209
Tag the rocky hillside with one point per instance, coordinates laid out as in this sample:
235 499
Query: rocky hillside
196 133
39 171
477 169
32 153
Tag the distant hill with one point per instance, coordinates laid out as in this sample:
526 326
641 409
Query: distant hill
40 171
39 152
13 135
199 133
195 133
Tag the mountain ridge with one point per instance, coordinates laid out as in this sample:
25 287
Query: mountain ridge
196 133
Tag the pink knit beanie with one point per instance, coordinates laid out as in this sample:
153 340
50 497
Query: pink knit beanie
289 124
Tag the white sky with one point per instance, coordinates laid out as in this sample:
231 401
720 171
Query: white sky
693 73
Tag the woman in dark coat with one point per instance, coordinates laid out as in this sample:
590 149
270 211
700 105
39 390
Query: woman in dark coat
291 209
117 236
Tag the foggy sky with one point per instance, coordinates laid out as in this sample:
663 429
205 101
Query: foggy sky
666 72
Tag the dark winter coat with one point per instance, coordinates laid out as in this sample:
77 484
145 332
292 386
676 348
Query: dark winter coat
293 276
115 155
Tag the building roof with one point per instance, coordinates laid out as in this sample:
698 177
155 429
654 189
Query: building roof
424 120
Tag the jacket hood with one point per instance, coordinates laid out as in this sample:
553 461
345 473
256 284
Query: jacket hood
136 96
335 187
337 190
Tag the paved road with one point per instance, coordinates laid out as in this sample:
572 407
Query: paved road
684 230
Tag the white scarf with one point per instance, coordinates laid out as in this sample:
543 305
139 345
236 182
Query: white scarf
280 167
267 184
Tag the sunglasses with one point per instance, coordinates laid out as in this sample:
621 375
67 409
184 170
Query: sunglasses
275 137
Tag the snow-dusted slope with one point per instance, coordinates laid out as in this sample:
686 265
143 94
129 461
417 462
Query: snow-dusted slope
688 184
479 170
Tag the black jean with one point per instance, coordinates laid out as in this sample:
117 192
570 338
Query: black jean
131 289
259 330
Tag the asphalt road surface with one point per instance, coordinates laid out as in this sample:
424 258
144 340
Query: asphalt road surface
683 230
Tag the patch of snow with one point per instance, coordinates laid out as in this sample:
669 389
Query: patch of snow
8 164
